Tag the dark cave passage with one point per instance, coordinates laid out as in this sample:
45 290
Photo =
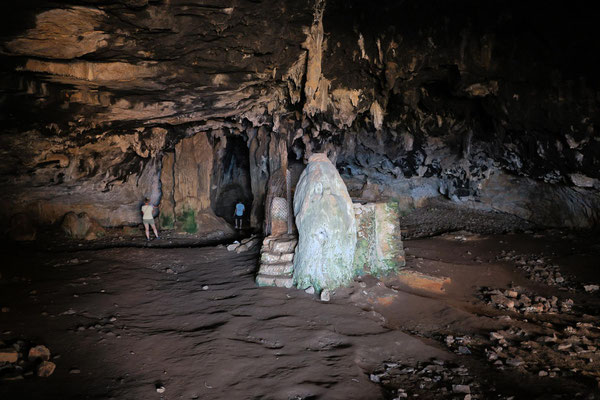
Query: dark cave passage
232 180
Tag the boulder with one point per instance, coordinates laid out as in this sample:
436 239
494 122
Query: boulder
39 352
22 228
379 249
81 226
45 369
326 227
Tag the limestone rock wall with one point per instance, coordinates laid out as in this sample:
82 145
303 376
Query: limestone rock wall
411 100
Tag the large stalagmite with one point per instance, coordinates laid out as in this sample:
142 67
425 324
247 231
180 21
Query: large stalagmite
326 227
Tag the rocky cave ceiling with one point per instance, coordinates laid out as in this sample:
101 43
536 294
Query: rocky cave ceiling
493 105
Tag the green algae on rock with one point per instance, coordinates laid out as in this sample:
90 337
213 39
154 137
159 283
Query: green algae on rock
379 248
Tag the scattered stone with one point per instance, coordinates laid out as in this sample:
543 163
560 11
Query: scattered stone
160 389
310 290
46 368
39 352
233 246
564 346
591 288
325 295
461 388
515 362
205 287
543 373
74 371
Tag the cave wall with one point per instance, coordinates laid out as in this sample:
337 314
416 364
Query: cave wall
104 103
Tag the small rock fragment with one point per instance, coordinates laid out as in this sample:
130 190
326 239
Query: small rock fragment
591 288
310 290
325 295
515 362
564 346
461 389
41 352
46 368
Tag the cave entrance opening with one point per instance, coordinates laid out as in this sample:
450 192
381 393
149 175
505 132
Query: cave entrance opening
233 180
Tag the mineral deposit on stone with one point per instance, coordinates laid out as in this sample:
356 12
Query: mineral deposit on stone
379 248
326 227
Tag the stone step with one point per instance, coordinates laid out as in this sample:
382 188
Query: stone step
277 269
275 258
272 280
285 246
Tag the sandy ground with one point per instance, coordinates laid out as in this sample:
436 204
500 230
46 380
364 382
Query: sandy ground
123 322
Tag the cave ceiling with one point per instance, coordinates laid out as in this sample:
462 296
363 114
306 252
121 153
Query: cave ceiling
390 89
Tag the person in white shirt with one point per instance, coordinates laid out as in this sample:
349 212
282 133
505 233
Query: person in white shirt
148 218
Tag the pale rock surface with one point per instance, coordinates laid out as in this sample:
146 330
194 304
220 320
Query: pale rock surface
326 227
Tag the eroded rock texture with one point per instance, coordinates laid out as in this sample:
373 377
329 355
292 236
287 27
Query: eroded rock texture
326 228
480 103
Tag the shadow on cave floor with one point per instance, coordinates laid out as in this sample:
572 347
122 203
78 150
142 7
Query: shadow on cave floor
124 322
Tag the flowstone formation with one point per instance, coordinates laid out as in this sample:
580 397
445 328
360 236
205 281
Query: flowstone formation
326 227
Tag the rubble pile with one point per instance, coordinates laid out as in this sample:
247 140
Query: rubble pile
537 268
20 359
436 379
517 300
572 351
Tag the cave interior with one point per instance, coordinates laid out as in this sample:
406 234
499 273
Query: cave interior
478 120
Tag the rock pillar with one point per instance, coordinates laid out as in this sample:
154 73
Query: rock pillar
326 227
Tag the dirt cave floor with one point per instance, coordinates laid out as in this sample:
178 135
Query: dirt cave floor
471 317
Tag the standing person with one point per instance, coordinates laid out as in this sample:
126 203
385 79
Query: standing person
148 218
239 214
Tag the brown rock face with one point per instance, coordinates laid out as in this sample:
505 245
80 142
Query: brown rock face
186 180
81 226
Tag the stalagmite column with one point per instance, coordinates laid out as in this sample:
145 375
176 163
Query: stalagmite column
326 227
